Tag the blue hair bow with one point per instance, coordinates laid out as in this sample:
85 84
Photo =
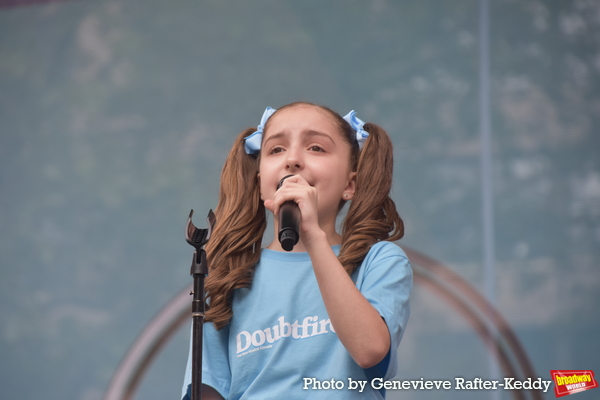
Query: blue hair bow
358 125
252 143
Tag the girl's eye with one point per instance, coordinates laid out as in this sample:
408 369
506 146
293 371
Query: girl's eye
316 148
276 150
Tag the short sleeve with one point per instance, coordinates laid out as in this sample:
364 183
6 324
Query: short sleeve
215 361
385 279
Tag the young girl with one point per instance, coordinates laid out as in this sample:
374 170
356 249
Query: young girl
324 320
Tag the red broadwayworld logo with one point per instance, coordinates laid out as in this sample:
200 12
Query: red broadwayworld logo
572 381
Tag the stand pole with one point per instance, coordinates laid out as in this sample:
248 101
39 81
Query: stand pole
199 271
198 238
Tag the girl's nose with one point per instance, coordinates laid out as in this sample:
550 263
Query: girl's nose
294 161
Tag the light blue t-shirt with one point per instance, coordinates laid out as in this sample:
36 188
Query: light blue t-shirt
280 343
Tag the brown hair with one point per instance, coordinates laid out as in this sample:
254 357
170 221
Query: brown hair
234 247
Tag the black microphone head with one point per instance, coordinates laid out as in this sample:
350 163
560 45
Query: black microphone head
288 239
283 179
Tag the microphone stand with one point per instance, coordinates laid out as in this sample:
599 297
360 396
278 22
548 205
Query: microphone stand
198 238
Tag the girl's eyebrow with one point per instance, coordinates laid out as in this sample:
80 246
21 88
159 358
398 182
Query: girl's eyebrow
321 134
275 136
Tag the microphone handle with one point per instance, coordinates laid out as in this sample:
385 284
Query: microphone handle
289 225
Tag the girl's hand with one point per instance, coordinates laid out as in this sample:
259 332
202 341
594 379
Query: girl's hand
297 189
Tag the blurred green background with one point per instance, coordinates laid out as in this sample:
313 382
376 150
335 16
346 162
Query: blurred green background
116 117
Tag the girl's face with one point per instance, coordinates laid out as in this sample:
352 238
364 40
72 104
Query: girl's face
305 140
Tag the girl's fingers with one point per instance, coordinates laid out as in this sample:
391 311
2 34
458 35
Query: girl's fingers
294 188
294 179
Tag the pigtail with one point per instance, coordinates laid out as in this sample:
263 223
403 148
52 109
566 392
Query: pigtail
372 215
234 247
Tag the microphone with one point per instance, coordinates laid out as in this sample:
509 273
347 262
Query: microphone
289 222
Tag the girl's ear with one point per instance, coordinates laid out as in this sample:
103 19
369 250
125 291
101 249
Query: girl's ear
350 188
